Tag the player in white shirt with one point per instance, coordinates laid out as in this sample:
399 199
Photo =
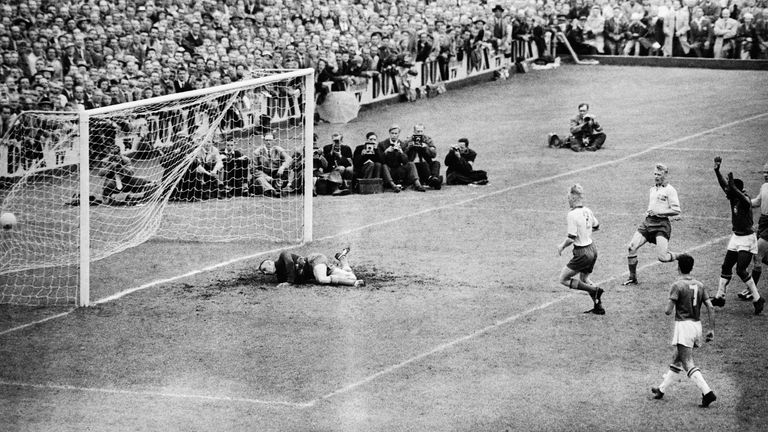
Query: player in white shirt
663 204
581 223
761 200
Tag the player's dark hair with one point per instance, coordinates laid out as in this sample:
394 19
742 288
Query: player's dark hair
739 184
685 263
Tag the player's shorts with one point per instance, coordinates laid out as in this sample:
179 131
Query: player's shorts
687 333
740 243
584 258
762 227
654 226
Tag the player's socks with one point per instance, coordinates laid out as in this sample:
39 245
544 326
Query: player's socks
695 375
753 289
632 265
722 286
756 273
581 286
669 377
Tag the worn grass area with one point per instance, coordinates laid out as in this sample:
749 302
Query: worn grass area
462 325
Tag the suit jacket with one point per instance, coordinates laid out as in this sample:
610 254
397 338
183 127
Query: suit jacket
180 87
393 159
701 31
335 160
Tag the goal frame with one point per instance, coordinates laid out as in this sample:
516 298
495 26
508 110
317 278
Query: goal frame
307 74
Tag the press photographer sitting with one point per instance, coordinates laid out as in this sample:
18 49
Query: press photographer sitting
586 133
421 151
459 166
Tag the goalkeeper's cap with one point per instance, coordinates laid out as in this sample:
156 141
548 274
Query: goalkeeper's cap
269 136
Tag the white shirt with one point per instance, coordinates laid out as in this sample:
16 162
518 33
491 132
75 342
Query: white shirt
662 199
762 199
581 221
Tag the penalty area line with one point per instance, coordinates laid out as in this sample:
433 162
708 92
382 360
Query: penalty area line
50 386
482 331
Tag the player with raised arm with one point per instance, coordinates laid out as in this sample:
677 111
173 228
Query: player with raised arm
685 299
742 247
315 267
581 223
663 204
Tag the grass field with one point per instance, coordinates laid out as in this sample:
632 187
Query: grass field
463 325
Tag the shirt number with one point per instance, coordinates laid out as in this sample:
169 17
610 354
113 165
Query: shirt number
695 289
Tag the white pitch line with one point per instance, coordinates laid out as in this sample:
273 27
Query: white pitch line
689 149
482 331
153 394
640 215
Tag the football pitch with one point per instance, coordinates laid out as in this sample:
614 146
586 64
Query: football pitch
463 325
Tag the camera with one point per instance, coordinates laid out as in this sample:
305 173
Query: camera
370 147
418 139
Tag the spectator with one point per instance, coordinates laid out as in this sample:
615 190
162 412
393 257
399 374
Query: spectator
636 32
270 171
120 177
201 181
676 29
235 168
702 33
747 40
615 32
339 158
422 153
459 163
594 29
725 31
402 170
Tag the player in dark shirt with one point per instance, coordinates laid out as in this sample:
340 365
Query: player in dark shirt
685 299
315 267
742 246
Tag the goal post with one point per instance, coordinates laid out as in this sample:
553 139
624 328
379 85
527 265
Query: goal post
100 181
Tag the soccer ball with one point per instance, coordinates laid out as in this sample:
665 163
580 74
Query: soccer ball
7 221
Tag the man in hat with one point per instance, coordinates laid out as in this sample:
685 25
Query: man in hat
500 31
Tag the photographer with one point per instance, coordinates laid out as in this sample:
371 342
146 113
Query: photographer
586 133
403 171
459 166
369 162
421 152
339 158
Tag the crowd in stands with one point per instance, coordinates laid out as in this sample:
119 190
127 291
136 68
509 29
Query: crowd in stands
68 54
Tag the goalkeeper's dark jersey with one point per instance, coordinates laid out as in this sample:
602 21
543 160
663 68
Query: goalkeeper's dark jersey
688 295
285 268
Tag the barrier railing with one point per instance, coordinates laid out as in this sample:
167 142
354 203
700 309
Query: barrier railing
256 106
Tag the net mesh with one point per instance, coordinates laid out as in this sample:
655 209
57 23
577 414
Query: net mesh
201 168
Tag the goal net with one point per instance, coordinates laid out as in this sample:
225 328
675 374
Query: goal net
209 165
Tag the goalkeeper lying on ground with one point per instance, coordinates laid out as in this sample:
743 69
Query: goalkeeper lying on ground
315 267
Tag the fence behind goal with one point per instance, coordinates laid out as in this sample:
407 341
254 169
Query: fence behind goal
93 195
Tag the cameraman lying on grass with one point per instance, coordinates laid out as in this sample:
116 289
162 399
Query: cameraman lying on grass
315 267
586 133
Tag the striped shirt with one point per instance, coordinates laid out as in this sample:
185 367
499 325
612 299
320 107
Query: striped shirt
581 222
662 199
